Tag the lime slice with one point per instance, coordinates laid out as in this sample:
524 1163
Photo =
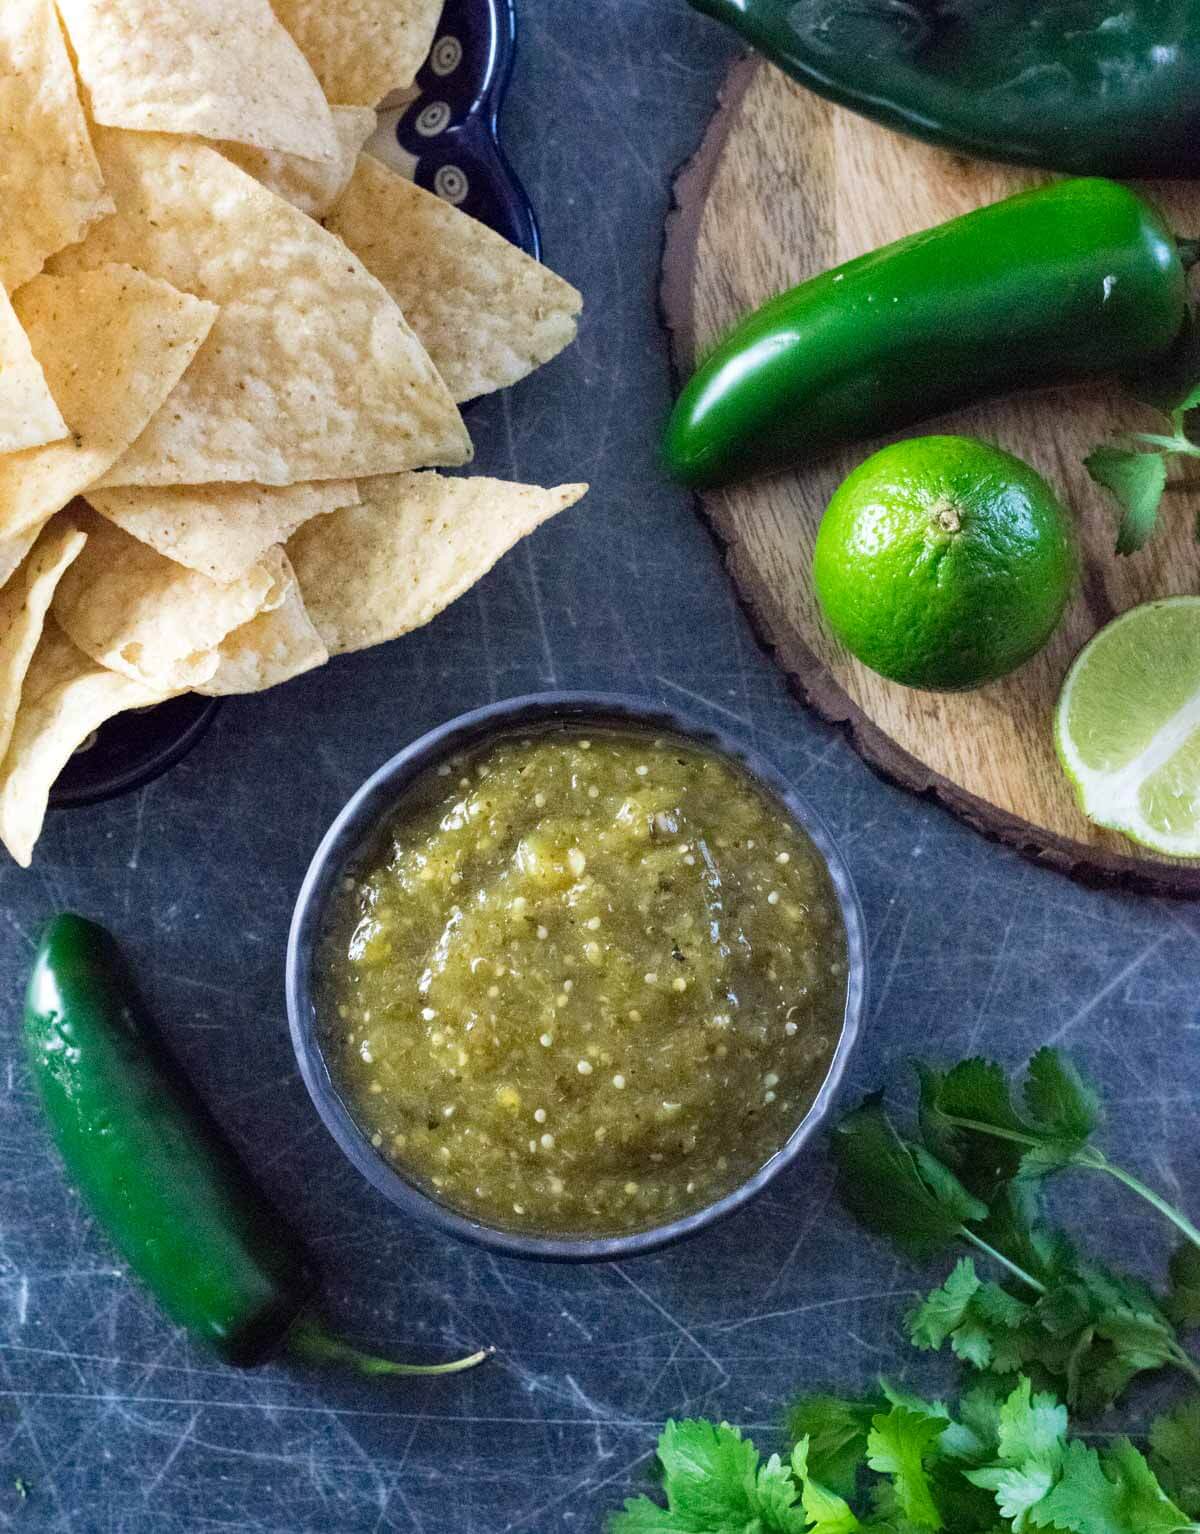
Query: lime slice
1127 728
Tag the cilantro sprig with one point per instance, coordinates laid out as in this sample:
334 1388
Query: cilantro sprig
1050 1332
1134 465
901 1465
966 1110
973 1177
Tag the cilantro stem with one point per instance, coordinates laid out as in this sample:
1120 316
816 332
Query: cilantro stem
1089 1160
1005 1262
1099 1162
1183 446
1185 1361
997 1131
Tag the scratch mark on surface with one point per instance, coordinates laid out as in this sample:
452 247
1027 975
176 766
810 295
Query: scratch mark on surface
184 1438
673 1321
1105 991
698 697
539 611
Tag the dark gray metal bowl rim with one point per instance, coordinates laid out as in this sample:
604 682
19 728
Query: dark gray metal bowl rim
360 819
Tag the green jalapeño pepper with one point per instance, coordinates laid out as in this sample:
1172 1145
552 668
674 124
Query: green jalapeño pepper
1083 86
1049 287
156 1170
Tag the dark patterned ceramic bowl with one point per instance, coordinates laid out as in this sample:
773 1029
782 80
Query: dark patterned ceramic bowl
445 135
354 829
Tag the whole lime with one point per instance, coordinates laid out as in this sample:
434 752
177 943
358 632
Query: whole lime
944 563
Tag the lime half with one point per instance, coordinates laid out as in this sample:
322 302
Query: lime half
1127 728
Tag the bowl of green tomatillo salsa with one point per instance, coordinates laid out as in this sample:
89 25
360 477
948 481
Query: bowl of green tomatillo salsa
574 976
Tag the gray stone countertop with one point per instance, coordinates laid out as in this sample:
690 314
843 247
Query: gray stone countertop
117 1422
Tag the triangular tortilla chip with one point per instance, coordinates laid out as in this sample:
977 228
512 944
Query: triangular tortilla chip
362 49
112 343
65 697
28 414
220 530
310 372
223 69
313 186
50 185
149 618
13 550
417 542
270 649
485 311
24 603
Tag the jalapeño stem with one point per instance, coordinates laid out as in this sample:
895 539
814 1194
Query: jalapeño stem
309 1340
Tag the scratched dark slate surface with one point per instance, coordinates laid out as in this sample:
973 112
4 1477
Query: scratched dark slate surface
114 1420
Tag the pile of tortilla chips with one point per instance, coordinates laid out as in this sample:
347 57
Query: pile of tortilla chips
229 340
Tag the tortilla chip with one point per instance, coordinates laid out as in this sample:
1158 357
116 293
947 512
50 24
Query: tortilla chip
28 414
50 184
14 549
417 542
222 69
270 649
310 372
487 313
24 603
112 343
220 530
65 697
157 622
362 49
313 186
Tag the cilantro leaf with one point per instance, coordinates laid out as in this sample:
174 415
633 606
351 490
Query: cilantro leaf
708 1473
1137 480
1114 1494
775 1493
641 1516
975 1091
1084 1500
826 1512
944 1310
968 1117
709 1476
1175 1446
1014 1227
897 1189
715 1483
1059 1101
981 1320
1144 1505
899 1443
1031 1443
1018 1489
836 1432
1031 1426
979 1415
1183 1304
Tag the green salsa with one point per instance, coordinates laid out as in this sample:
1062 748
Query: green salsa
583 983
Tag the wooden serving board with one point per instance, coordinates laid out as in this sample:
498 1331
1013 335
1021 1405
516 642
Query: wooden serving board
783 187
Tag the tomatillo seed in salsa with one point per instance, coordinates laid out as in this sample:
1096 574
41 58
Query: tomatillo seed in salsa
583 983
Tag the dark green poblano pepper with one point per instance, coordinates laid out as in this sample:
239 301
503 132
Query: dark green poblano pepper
1091 87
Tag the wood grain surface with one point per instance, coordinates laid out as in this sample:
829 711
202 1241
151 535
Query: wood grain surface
783 187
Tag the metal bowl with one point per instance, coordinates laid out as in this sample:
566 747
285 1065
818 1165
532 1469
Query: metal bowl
353 832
